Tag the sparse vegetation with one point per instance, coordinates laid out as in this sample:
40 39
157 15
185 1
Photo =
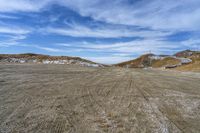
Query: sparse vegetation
46 59
168 61
185 61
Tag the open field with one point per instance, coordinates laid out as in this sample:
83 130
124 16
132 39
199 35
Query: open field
72 99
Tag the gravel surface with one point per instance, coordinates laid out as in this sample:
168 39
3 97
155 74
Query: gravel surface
72 99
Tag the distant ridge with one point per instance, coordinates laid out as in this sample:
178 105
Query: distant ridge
46 59
186 60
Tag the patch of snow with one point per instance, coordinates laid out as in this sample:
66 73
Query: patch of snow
46 62
15 60
22 61
35 61
156 57
53 62
185 60
71 61
94 65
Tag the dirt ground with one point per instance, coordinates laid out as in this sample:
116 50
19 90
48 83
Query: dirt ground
72 99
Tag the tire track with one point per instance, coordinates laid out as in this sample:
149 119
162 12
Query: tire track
146 95
19 112
73 119
105 122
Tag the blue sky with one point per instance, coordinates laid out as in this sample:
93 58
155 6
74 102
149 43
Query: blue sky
105 31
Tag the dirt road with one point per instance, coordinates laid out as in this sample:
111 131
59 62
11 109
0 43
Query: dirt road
72 99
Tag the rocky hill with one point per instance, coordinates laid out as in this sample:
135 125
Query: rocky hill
45 59
194 56
185 60
141 62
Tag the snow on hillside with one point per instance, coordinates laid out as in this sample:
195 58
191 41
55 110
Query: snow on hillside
182 60
156 57
49 60
71 62
185 60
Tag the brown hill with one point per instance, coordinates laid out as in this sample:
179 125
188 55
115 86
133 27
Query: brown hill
45 59
166 62
40 57
141 62
150 60
194 65
185 60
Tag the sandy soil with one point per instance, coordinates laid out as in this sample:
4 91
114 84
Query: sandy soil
72 99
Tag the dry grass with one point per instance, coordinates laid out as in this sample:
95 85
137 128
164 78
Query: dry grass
142 61
41 57
194 66
190 67
165 62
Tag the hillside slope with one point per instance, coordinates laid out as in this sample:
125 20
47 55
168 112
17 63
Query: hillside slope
194 65
151 60
141 62
45 59
185 60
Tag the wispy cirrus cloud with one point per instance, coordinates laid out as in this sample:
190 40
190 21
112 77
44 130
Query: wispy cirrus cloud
77 30
12 35
192 44
108 59
13 30
136 47
11 40
117 28
5 16
49 49
123 51
157 14
22 5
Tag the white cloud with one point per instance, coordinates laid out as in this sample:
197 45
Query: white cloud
77 30
109 59
13 30
193 44
12 40
120 52
49 49
157 14
165 17
123 51
4 16
22 5
11 35
135 47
